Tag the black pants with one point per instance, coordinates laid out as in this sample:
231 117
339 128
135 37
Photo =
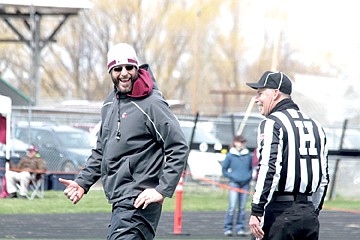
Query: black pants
130 223
291 220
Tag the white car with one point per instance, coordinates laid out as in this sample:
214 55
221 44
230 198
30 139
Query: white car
351 139
205 157
205 165
17 148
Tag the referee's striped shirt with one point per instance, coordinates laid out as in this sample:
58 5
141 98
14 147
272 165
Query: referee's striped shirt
292 158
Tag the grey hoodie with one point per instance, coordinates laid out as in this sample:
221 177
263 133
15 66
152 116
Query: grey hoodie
140 145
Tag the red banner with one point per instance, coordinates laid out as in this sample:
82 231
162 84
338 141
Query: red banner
2 129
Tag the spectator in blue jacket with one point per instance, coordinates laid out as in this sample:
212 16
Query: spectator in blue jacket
237 166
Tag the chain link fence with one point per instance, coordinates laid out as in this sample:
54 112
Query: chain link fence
223 128
62 137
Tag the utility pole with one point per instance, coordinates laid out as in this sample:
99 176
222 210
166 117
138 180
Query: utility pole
196 58
31 13
35 50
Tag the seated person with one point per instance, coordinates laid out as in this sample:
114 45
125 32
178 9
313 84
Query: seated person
27 169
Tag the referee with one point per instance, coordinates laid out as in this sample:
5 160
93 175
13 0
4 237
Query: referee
293 174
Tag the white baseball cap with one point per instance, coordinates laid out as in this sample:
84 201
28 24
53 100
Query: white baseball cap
121 53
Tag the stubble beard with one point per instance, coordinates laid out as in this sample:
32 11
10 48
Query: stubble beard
123 87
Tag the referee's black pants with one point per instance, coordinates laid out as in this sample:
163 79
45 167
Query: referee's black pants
286 220
130 223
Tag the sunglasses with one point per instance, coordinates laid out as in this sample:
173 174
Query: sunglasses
128 68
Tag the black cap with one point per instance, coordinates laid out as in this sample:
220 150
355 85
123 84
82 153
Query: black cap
273 80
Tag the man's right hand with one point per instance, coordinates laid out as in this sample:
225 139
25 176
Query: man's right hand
73 191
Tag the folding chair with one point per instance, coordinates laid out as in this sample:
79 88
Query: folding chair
36 186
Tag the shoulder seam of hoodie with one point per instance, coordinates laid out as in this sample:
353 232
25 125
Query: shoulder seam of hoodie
106 104
148 117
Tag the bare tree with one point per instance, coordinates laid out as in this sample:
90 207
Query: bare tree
192 47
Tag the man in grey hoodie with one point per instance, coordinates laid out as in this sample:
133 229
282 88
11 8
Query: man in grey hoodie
141 150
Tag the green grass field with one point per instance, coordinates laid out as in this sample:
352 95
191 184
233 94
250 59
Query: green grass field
204 198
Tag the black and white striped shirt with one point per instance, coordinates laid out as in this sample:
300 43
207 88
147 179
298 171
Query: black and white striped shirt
292 157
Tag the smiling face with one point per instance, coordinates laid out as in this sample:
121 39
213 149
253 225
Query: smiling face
123 77
266 99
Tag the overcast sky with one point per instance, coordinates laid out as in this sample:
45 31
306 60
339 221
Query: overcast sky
314 26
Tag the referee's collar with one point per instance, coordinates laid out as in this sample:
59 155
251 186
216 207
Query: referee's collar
284 104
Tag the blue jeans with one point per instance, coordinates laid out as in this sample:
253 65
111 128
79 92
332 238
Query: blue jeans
236 200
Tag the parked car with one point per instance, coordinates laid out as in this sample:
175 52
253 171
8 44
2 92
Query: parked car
227 125
17 148
205 155
94 134
203 140
351 139
64 148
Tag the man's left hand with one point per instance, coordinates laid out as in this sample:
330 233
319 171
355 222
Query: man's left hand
255 226
149 195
